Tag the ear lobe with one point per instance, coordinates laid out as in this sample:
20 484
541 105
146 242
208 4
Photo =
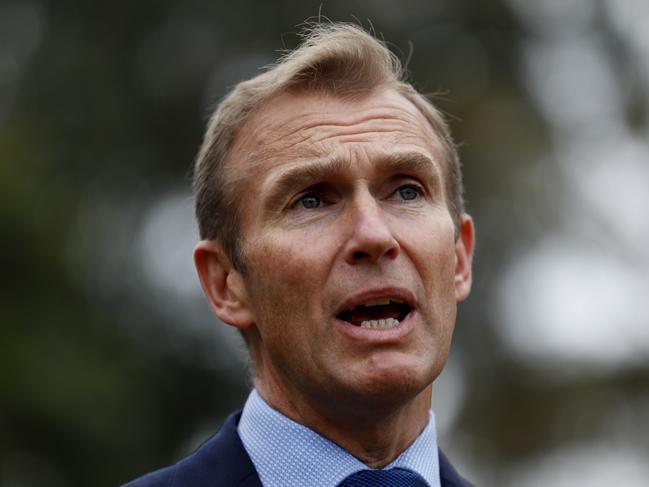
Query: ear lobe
223 284
463 258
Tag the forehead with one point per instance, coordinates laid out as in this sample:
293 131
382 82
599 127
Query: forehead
293 127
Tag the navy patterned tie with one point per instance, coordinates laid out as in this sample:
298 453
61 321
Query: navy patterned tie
394 477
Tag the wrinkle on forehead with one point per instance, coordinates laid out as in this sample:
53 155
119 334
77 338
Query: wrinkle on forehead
277 132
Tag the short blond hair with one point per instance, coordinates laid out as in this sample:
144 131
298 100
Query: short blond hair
338 58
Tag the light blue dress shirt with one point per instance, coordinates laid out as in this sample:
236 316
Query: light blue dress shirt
288 454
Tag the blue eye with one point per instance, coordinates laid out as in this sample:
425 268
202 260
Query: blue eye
408 192
310 201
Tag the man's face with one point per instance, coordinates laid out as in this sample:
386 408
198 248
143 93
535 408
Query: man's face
351 261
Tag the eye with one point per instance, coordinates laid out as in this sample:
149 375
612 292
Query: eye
308 201
409 192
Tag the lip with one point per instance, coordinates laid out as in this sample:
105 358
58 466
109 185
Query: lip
374 335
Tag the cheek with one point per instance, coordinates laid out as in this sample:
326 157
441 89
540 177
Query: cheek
286 261
432 248
288 274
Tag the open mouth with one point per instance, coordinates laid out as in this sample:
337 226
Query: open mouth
379 313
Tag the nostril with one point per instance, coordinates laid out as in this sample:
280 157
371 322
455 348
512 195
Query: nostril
374 254
358 255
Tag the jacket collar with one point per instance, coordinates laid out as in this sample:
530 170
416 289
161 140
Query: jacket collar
222 461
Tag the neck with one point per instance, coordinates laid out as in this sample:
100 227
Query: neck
374 435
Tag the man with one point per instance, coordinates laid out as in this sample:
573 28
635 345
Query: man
329 201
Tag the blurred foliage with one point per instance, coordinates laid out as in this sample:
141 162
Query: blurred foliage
106 102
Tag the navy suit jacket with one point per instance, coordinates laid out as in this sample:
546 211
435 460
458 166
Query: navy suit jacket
222 461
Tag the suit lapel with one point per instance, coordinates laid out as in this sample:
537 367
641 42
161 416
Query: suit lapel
447 474
221 461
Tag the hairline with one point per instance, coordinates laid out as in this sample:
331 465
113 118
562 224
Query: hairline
319 64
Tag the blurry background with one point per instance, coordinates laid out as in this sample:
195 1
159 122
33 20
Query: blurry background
111 363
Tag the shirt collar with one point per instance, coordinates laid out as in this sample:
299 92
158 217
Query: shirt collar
288 454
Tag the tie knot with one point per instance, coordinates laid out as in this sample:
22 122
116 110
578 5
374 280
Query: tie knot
393 477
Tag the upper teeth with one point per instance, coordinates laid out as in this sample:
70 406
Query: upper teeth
381 301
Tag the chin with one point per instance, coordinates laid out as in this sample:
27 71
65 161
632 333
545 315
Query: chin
393 382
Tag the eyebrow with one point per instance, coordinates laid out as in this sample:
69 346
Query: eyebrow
314 171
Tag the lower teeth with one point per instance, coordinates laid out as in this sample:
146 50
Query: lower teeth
386 323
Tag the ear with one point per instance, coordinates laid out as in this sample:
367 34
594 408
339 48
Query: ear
463 258
223 284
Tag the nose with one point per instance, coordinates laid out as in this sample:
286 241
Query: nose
371 239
